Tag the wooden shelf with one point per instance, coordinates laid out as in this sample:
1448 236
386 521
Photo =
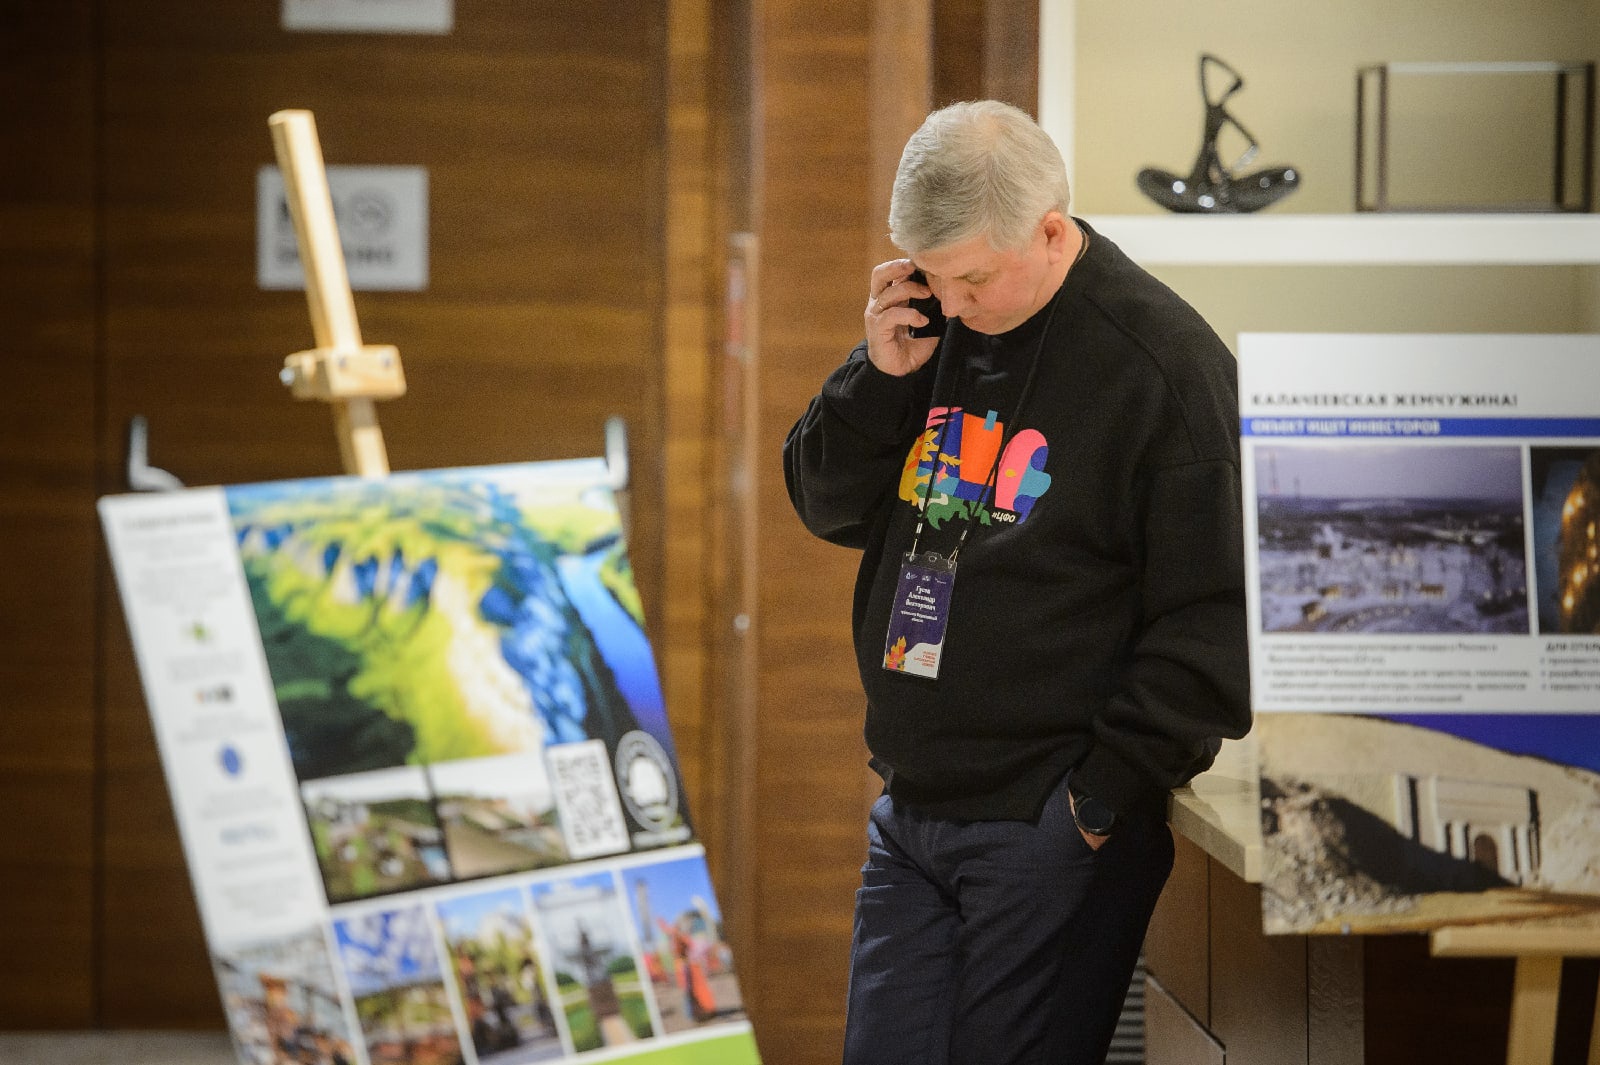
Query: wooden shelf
1356 239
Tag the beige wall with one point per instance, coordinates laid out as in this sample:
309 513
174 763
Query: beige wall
1138 101
1388 299
1589 285
1138 104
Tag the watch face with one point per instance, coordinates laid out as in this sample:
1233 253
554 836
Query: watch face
1093 816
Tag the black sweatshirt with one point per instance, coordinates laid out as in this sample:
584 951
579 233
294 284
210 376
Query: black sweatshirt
1097 619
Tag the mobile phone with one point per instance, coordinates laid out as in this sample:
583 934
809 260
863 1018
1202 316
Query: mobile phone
929 306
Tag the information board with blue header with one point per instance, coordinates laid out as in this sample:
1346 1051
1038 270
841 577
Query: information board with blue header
1423 586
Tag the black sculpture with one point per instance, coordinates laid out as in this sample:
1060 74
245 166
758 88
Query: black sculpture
1212 188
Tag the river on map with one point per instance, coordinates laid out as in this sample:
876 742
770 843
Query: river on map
621 641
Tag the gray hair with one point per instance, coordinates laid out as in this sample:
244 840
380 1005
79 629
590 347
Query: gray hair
971 168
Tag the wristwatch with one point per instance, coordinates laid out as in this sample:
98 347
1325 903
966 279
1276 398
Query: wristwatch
1092 815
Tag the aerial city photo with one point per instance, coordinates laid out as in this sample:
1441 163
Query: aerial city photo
1371 538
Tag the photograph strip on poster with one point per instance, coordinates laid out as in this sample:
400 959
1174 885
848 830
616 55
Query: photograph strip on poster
1421 519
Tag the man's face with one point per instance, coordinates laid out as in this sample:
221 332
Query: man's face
994 291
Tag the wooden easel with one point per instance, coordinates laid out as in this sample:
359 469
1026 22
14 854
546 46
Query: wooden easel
1537 985
340 370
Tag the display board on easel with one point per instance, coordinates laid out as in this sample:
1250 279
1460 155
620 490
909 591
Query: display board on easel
416 747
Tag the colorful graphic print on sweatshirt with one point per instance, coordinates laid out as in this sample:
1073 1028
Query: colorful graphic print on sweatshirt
954 472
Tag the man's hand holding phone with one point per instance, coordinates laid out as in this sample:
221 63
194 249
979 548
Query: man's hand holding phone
902 317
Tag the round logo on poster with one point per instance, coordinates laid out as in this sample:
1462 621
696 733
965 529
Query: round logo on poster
649 786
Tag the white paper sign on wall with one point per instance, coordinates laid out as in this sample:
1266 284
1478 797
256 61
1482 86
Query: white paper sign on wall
382 215
369 16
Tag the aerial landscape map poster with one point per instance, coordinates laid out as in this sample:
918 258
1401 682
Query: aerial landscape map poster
421 764
1423 577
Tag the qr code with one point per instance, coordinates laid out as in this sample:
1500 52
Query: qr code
586 796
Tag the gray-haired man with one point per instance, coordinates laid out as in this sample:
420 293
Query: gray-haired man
1049 614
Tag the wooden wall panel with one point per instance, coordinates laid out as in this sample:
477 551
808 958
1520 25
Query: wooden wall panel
731 422
47 533
958 50
901 90
1177 948
827 106
1011 53
986 49
1173 1034
1259 1011
687 408
541 128
1422 1008
813 162
1335 1009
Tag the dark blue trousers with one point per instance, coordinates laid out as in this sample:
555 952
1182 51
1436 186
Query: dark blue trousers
998 942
